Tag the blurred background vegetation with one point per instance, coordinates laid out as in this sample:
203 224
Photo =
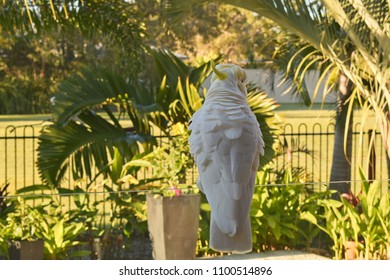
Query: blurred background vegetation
119 35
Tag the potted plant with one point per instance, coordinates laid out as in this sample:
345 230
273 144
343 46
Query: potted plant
42 231
173 224
4 209
21 230
173 207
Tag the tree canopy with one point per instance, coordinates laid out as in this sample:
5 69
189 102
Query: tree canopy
43 41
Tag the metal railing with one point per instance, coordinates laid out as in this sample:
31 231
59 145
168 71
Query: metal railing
18 155
311 149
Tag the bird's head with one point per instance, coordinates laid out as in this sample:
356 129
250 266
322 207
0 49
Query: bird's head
230 73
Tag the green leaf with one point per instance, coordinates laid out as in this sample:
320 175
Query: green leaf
116 166
373 194
332 203
277 232
58 231
33 188
308 216
365 183
272 221
78 228
384 205
137 163
205 207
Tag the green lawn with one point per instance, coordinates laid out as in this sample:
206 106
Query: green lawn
22 120
293 112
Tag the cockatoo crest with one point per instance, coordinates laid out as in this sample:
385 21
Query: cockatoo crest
226 142
230 72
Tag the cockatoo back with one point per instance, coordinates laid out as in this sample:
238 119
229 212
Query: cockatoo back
226 143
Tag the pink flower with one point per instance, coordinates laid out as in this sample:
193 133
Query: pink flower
351 198
176 189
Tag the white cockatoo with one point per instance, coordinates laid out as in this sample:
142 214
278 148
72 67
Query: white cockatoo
226 143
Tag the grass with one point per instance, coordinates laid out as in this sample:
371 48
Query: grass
23 120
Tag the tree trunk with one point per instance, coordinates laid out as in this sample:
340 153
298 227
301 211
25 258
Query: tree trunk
340 176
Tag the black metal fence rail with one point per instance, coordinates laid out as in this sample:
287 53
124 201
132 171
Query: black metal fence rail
18 156
308 147
311 149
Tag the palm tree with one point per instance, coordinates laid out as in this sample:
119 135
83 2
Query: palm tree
351 37
81 136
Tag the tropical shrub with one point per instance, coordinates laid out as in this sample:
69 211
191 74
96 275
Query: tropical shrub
61 230
363 218
280 213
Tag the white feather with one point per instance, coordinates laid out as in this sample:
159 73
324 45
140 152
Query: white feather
226 142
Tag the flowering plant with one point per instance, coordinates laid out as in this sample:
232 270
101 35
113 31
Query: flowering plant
175 191
170 162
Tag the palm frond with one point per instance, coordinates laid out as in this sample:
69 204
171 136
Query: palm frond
83 145
168 65
364 21
95 88
90 87
270 124
177 100
188 103
301 17
366 25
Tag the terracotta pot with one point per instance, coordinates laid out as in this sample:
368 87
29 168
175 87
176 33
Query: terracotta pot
173 226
